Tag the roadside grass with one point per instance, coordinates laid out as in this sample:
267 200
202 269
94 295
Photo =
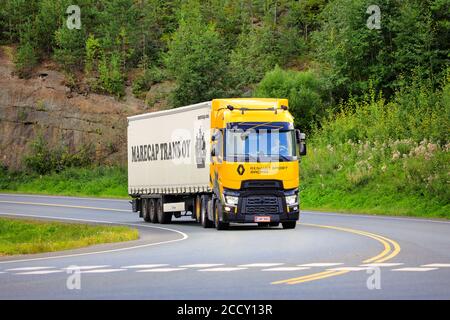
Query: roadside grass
399 177
102 181
383 157
19 236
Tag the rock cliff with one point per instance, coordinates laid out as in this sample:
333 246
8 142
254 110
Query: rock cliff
43 105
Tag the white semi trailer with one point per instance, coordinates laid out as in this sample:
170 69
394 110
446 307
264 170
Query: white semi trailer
168 156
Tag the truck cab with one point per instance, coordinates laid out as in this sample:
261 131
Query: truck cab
254 164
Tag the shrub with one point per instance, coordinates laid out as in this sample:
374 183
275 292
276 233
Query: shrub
26 59
93 54
110 75
305 91
69 51
415 112
146 79
43 160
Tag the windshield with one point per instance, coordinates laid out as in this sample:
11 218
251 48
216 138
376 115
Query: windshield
259 144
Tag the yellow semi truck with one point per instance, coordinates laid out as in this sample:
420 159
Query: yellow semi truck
222 161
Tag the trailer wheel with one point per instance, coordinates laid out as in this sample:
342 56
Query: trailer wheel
145 210
152 211
206 223
163 217
289 224
217 213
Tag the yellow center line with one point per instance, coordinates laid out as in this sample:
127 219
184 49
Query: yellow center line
333 274
314 275
391 249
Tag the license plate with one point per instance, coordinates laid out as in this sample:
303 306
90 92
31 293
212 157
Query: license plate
262 219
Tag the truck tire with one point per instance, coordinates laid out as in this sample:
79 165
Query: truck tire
289 224
204 220
197 213
217 213
274 224
152 211
145 210
163 217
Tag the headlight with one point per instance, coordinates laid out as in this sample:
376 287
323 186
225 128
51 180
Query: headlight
291 200
231 200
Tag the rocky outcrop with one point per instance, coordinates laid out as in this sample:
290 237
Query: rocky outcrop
43 105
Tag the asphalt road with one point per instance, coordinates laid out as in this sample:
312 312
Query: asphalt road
328 256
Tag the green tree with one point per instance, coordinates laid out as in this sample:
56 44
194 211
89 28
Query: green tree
413 38
110 74
305 91
50 17
15 14
93 54
351 54
196 58
118 30
349 51
69 49
255 54
26 56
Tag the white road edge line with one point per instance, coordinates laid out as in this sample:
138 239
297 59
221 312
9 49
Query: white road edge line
81 268
260 265
222 269
201 265
29 269
60 197
145 266
184 237
63 206
381 264
39 272
286 269
162 270
320 264
414 269
437 265
102 271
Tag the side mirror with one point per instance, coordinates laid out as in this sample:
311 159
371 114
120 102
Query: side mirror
300 137
302 150
213 151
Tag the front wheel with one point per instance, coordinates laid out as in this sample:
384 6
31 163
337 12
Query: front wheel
217 213
289 224
206 223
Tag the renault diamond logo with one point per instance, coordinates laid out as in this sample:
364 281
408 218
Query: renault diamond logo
240 169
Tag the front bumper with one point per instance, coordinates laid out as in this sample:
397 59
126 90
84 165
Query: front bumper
246 218
267 203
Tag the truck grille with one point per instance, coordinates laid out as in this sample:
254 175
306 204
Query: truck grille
262 205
